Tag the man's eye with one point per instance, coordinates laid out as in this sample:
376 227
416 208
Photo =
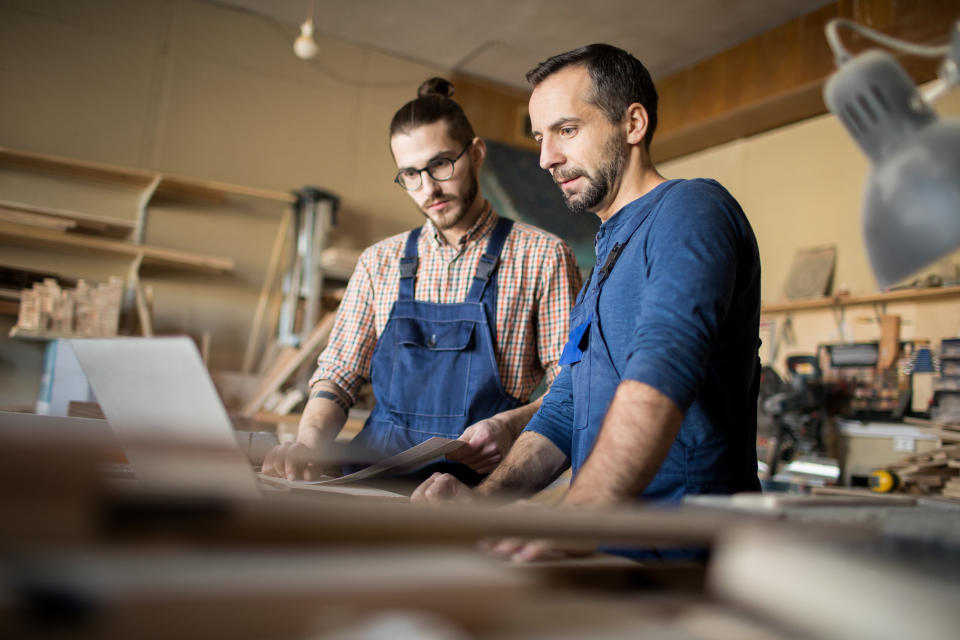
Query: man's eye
567 131
436 164
409 173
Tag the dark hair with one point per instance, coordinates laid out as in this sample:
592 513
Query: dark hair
619 80
433 103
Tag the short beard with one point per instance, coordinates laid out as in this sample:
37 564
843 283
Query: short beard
465 203
599 187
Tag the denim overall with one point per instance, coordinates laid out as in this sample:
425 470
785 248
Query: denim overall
434 370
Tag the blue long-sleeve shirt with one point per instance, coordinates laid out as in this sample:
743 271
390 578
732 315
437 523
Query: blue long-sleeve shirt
680 312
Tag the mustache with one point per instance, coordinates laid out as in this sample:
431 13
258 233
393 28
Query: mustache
562 176
432 201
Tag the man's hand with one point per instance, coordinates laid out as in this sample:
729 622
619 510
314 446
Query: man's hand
441 488
523 550
487 443
527 550
293 461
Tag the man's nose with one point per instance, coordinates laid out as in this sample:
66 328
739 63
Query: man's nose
430 185
550 155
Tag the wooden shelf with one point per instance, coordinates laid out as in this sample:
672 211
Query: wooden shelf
170 186
151 255
43 336
902 295
73 220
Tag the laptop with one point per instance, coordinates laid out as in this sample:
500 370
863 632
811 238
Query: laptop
167 416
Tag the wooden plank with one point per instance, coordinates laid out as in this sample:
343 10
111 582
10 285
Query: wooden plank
931 423
338 262
106 225
143 202
273 266
853 492
143 312
904 295
77 409
316 340
40 336
205 348
74 167
176 187
158 256
36 220
180 188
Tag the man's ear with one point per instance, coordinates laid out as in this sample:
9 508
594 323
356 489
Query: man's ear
479 152
636 123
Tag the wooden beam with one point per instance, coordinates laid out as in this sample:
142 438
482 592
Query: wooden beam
777 78
765 82
151 255
273 266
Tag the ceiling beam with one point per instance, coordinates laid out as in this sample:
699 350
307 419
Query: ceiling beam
777 78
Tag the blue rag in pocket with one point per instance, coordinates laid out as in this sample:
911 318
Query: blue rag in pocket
572 351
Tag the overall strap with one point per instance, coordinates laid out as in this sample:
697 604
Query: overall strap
604 272
489 260
408 266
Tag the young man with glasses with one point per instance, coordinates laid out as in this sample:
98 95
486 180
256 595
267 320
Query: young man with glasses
454 323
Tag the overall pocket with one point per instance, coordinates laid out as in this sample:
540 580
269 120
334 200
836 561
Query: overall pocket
575 356
431 367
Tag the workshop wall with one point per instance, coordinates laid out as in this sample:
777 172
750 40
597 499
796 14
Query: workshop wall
190 88
801 186
193 89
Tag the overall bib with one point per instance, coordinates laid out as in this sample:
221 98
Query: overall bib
434 370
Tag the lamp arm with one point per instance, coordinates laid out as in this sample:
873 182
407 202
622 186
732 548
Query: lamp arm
842 55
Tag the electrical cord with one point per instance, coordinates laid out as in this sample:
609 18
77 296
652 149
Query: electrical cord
842 55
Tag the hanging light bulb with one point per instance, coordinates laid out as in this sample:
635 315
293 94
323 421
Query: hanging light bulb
305 47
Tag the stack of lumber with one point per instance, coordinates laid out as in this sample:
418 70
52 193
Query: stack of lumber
933 472
85 310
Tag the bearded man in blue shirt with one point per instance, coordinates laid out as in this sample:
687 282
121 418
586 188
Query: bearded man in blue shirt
657 396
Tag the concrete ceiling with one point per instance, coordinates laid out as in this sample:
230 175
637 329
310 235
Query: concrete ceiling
501 39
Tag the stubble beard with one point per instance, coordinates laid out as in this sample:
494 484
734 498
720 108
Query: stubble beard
599 186
441 222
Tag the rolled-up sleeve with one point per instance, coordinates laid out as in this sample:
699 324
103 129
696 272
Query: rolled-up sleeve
691 263
554 419
346 359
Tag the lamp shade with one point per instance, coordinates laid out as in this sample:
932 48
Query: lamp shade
911 207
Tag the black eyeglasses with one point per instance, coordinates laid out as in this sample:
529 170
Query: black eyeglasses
439 169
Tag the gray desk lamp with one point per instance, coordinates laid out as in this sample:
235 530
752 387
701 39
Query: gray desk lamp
911 206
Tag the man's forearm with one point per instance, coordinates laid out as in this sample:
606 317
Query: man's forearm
636 437
532 464
516 419
323 416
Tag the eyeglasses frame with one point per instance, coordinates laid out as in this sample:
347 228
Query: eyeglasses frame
453 163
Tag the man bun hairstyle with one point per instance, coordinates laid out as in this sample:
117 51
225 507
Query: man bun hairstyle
432 104
618 78
435 87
